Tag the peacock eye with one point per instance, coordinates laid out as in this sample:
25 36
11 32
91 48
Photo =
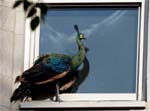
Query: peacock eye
81 36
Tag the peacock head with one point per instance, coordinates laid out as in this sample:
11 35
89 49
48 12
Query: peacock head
80 35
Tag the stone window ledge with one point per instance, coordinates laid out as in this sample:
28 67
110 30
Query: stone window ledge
83 105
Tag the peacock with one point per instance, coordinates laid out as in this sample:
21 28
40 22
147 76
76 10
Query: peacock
59 71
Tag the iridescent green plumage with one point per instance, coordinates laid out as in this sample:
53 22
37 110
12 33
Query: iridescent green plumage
53 69
78 59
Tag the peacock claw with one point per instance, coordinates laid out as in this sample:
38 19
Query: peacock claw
58 100
29 99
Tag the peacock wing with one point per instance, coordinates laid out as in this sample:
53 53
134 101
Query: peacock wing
48 69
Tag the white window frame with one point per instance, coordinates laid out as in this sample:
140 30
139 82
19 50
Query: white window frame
32 46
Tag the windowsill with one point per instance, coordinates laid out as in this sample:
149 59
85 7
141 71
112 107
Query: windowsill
83 105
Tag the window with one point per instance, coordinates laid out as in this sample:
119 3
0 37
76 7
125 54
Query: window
115 40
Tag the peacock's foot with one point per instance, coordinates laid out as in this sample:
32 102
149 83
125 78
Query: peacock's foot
51 98
27 99
58 99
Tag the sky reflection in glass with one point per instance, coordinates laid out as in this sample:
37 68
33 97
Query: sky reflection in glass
111 38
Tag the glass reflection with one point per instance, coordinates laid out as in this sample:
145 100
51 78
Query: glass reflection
111 39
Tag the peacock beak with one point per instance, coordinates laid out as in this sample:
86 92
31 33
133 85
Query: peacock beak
82 37
85 38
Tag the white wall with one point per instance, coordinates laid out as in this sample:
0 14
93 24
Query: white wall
11 49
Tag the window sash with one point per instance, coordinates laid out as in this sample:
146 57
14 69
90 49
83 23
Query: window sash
32 45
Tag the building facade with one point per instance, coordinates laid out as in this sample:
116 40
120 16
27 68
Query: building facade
19 47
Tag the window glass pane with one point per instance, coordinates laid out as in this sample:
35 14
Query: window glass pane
111 34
